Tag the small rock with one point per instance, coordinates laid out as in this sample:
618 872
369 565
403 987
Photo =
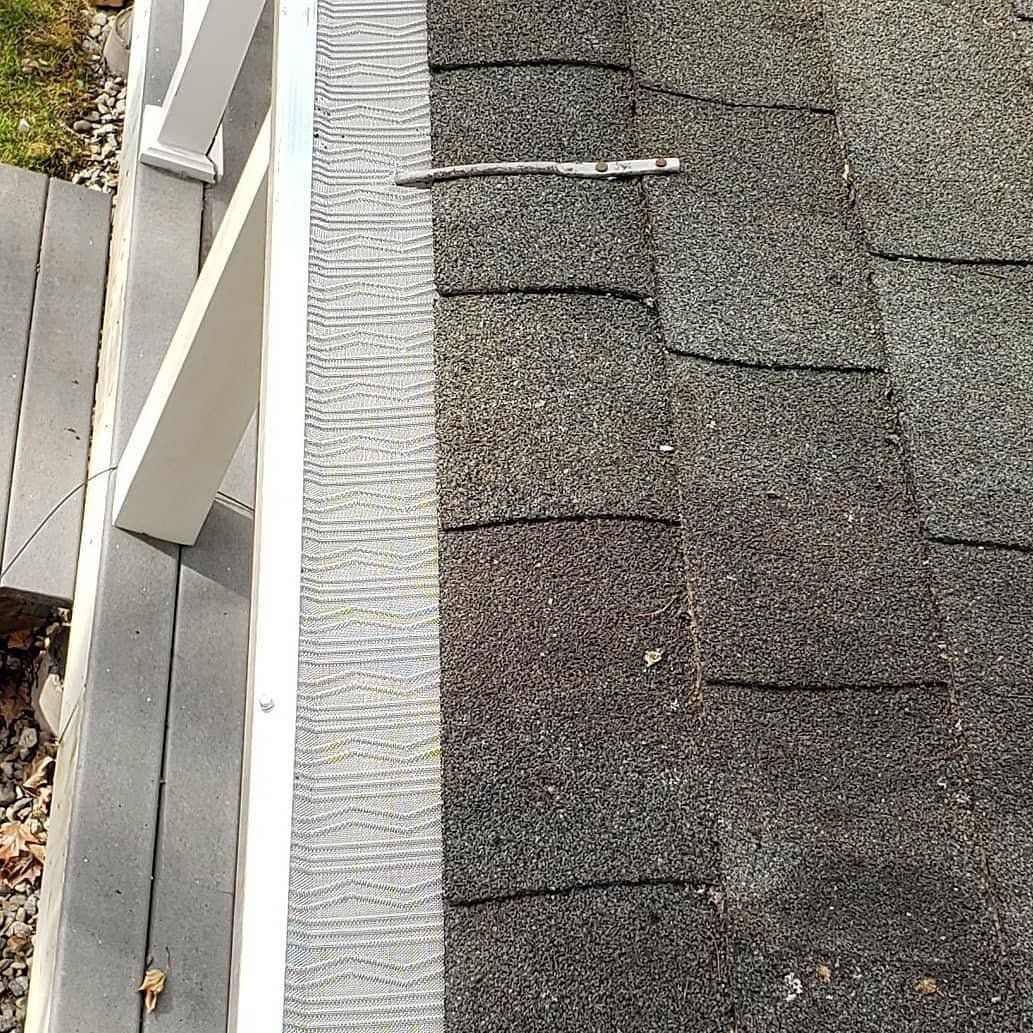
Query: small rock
19 986
28 739
82 126
7 794
95 31
100 18
91 46
23 125
93 116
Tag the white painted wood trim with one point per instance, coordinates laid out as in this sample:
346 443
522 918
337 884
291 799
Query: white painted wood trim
178 135
205 393
263 866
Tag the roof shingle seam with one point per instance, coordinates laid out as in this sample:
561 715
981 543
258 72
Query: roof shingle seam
989 886
534 62
703 887
890 256
774 367
645 84
822 689
548 291
579 518
977 543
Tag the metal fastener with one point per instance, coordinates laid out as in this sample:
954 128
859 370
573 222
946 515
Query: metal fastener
614 169
266 703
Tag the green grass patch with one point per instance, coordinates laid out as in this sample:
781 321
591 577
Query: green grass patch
47 79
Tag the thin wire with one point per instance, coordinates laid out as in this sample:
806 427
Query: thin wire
43 522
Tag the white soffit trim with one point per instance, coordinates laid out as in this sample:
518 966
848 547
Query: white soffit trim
260 919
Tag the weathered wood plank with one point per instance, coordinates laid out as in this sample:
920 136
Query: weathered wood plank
41 543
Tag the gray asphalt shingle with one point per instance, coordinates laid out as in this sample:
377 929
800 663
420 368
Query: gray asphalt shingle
757 256
551 406
987 596
937 113
744 51
484 31
568 756
540 232
799 537
960 346
647 958
844 845
531 113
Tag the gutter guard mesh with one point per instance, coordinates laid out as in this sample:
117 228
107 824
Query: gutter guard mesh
364 934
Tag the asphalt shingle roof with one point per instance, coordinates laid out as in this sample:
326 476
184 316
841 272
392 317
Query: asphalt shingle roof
753 755
799 539
746 52
512 967
935 104
987 597
758 256
960 345
550 112
846 846
551 406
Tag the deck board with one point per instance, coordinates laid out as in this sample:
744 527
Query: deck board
23 197
192 909
43 525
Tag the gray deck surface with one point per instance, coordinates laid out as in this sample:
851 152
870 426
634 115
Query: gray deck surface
52 274
153 817
735 552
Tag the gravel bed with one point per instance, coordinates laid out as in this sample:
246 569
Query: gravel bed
101 126
26 771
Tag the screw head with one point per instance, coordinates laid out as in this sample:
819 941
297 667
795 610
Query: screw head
661 163
601 166
266 703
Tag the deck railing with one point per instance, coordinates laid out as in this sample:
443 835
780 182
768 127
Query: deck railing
207 387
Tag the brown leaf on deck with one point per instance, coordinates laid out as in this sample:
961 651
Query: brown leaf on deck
152 985
824 973
926 986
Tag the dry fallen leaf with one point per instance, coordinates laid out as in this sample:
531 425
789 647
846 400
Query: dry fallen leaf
824 973
14 839
653 657
152 985
21 852
18 944
38 775
926 986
